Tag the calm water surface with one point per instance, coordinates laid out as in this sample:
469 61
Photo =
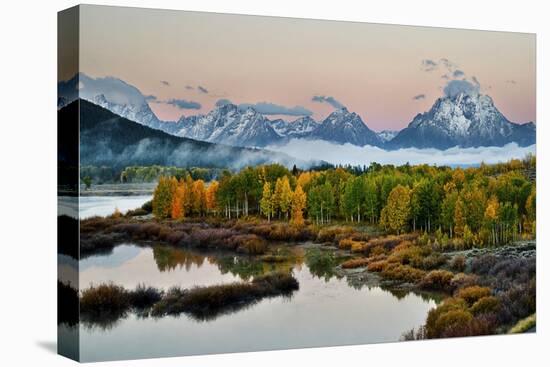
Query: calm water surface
106 205
325 311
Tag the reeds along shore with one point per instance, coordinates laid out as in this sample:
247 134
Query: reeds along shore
111 302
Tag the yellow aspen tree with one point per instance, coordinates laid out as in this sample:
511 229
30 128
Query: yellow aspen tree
286 197
199 197
211 194
491 216
177 202
396 214
460 218
266 202
299 200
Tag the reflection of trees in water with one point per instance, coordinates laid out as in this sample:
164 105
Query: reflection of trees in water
168 258
245 267
322 263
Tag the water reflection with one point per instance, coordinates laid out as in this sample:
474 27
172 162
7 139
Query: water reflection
328 309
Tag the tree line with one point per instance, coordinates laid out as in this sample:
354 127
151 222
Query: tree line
488 204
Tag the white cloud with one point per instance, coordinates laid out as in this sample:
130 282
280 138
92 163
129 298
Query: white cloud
354 155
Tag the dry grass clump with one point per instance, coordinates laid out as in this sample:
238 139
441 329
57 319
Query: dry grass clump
206 302
377 266
334 233
458 263
355 263
472 294
437 280
104 298
462 280
484 305
109 302
402 273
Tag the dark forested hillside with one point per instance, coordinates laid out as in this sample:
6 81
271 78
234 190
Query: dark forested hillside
110 140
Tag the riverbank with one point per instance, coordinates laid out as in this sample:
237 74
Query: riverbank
501 279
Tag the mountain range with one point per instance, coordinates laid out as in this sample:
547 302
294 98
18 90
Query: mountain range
111 140
464 120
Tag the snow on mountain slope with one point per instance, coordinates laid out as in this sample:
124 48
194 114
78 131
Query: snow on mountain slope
113 94
230 125
342 127
464 120
387 135
295 129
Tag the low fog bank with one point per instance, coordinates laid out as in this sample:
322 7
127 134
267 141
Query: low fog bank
153 151
354 155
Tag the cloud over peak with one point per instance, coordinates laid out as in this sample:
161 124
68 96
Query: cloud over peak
455 87
328 99
184 104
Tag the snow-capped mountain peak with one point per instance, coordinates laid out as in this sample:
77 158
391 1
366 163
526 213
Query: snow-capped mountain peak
342 126
229 125
465 120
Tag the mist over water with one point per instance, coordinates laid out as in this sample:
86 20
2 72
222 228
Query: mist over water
355 155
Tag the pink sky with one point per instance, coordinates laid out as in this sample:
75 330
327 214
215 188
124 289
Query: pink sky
374 70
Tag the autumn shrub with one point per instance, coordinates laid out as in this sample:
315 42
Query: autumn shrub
458 263
438 280
280 232
472 294
355 263
356 247
345 244
452 323
518 302
377 266
403 273
482 265
96 224
104 298
210 237
249 244
334 233
434 327
136 212
376 251
100 242
488 304
462 280
433 261
150 230
461 323
177 238
387 243
283 232
360 236
410 255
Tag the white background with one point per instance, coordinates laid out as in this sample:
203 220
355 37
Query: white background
28 181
